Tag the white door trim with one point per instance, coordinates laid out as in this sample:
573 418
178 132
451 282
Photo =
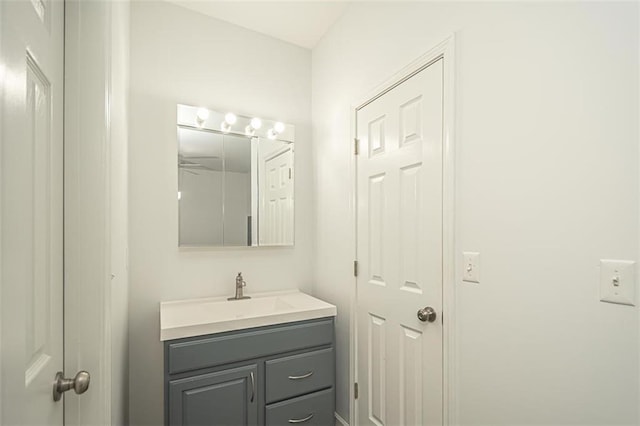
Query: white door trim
88 94
446 50
2 78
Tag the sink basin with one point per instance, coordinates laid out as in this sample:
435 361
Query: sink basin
245 308
196 317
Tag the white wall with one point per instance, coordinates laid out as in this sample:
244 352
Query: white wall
178 56
237 203
547 184
200 208
204 220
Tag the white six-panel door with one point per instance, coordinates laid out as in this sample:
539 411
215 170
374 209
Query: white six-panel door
32 213
399 244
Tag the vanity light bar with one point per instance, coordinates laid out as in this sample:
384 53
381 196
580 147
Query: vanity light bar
206 119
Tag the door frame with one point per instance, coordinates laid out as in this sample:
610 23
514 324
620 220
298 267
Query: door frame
88 212
443 50
2 77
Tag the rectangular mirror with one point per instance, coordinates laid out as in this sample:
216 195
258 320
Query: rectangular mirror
235 187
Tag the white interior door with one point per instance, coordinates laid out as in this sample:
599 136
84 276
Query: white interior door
277 213
32 210
399 244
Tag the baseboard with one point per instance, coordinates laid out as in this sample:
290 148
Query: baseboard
340 420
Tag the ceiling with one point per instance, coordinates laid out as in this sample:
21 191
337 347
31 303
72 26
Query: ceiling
300 22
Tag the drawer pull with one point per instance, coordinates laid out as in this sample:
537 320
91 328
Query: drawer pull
306 419
253 387
304 376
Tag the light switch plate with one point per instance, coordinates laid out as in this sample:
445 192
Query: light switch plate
471 267
618 281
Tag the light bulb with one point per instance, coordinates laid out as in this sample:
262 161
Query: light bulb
278 127
256 123
202 114
272 134
230 118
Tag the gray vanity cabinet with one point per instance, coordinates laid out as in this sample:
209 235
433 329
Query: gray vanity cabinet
275 375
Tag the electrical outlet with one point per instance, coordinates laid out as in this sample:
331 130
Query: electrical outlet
471 265
617 281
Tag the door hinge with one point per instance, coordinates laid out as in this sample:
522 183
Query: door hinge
355 391
355 268
289 172
356 146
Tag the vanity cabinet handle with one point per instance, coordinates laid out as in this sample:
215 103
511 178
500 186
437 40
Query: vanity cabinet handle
253 387
306 419
304 376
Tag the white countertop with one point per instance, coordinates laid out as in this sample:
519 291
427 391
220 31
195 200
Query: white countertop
197 317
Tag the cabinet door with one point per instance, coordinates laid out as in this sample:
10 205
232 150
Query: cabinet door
227 397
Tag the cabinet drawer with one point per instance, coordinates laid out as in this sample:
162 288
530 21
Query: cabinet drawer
299 374
224 348
314 409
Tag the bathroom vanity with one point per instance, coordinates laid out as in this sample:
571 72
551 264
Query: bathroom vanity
268 360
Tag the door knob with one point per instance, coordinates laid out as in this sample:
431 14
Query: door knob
79 384
427 314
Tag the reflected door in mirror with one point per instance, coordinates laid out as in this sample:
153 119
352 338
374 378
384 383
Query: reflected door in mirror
276 193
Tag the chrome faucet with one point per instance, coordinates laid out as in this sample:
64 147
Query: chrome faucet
240 284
